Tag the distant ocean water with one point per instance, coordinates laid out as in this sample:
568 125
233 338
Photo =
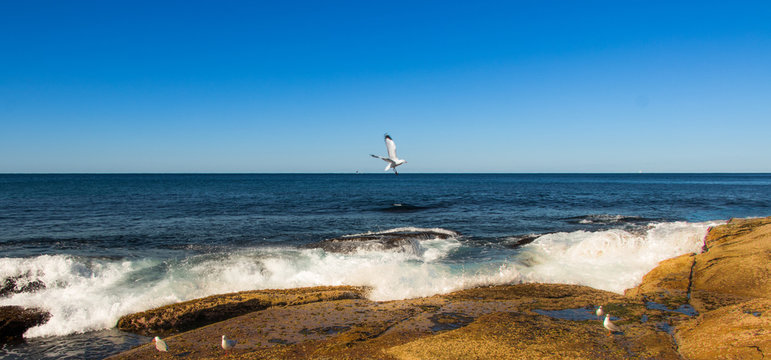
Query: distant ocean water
91 248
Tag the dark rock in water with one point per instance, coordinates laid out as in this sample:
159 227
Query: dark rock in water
384 241
521 240
403 208
11 286
15 320
33 286
605 219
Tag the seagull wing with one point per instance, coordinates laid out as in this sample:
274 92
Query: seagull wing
391 147
610 326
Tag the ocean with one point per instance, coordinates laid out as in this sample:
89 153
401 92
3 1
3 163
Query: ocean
90 248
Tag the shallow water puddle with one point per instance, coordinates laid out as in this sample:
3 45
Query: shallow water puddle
665 327
577 314
326 330
449 321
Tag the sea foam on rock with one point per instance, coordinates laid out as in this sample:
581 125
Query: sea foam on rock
400 239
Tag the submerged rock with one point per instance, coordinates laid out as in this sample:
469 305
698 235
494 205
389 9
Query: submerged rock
407 241
15 320
14 285
521 240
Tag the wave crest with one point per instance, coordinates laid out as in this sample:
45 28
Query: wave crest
612 260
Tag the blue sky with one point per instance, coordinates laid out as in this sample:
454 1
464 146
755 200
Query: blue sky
521 86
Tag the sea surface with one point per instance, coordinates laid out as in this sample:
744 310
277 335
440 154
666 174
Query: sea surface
91 248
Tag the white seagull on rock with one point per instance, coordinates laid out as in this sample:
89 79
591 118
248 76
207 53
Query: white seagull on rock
160 344
392 160
609 325
228 344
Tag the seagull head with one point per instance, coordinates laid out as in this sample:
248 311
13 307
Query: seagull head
156 338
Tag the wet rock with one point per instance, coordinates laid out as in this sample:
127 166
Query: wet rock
521 240
524 336
15 320
668 283
15 285
385 241
682 309
487 322
192 314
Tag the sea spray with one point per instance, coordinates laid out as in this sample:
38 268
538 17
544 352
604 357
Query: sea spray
85 294
612 260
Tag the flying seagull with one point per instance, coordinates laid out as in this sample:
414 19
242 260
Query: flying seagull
160 345
392 160
609 325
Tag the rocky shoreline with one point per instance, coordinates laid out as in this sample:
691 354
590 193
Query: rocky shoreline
716 304
712 305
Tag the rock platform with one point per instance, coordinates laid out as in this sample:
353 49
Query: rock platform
713 305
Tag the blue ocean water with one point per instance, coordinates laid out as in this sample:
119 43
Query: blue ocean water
96 247
156 215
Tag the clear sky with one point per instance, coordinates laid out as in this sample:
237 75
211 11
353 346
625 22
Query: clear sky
473 86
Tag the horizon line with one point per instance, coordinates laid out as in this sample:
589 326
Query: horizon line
386 173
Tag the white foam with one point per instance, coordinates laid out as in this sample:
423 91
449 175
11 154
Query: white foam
612 260
86 294
408 229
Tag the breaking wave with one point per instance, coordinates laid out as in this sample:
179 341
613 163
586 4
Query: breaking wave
612 260
86 293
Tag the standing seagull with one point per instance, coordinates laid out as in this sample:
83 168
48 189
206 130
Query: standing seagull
227 344
609 325
160 345
392 160
599 312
